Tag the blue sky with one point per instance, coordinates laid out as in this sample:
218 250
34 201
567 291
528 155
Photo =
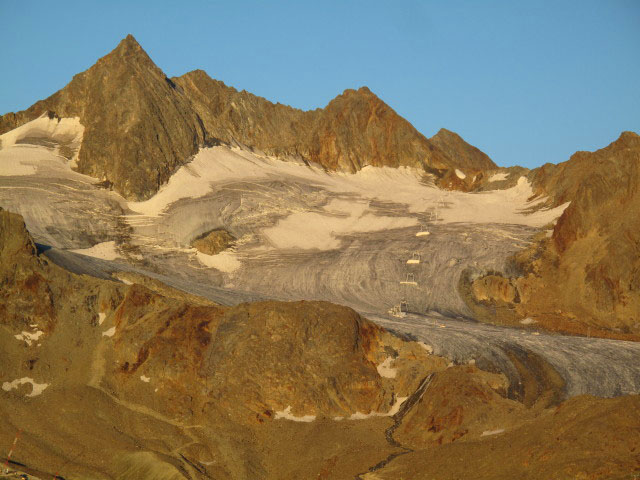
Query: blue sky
526 82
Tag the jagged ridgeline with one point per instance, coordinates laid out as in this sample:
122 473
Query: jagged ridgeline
140 126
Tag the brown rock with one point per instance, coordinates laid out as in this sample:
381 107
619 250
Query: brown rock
467 156
213 242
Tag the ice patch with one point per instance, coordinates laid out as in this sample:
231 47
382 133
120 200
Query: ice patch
497 177
486 433
226 261
60 130
36 388
527 321
311 230
145 378
460 174
15 165
104 250
385 370
213 168
109 333
29 337
101 317
286 414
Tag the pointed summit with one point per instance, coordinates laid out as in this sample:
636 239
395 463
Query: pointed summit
129 48
128 41
462 153
138 128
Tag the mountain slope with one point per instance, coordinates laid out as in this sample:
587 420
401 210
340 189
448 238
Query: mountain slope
585 275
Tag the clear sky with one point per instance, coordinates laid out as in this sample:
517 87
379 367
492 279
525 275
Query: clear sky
528 82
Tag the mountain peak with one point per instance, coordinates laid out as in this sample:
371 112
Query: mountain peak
461 152
128 42
128 49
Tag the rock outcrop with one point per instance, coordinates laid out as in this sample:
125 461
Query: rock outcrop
585 437
213 242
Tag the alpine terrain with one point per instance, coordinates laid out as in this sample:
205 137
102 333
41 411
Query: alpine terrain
197 283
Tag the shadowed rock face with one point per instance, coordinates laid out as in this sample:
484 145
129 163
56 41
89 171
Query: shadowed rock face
586 275
141 126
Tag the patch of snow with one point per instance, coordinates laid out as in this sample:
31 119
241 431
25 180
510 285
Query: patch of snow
286 414
145 378
460 174
126 282
385 370
486 433
17 165
36 388
225 261
109 333
104 250
527 321
29 337
395 408
497 177
101 317
428 348
63 130
312 230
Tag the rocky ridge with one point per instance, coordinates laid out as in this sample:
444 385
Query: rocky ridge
140 126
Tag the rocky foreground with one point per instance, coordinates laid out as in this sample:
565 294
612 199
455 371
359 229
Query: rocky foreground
108 380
